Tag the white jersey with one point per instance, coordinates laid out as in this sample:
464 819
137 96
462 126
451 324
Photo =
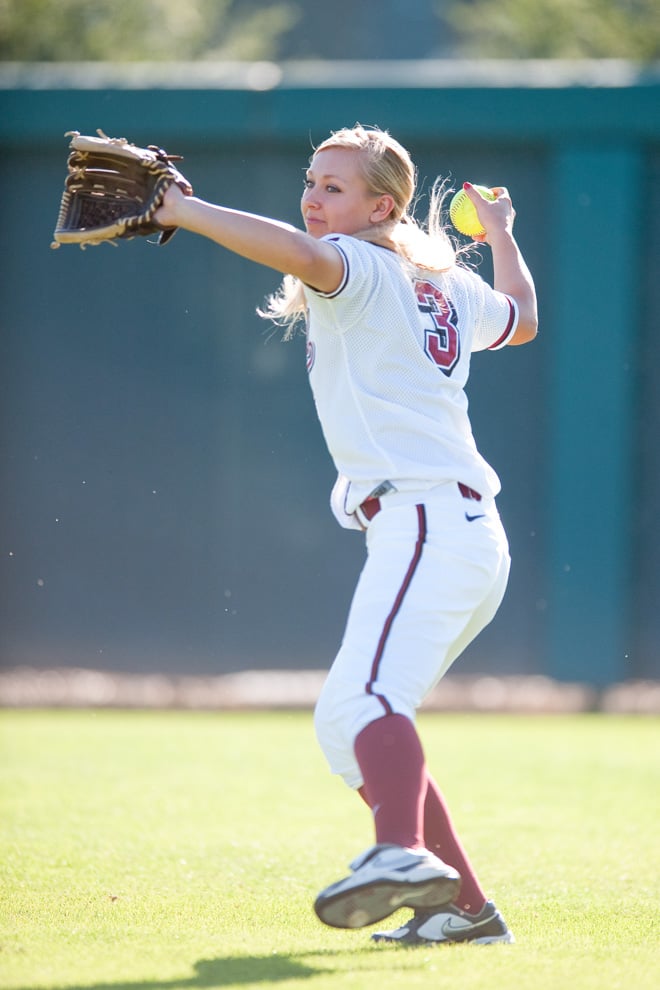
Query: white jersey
388 355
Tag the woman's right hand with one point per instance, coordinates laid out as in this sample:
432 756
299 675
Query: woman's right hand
495 215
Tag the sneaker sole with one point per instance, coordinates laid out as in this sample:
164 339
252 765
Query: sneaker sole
491 939
416 941
358 907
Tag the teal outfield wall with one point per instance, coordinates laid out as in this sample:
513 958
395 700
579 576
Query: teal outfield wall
164 481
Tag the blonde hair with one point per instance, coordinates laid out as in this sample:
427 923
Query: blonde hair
387 169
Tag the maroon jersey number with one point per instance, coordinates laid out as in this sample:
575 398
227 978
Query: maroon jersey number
441 343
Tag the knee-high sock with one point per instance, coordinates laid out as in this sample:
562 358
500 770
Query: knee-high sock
391 760
441 838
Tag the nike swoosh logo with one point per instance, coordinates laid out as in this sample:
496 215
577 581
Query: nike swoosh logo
469 518
451 926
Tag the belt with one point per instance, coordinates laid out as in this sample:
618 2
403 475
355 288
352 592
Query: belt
372 506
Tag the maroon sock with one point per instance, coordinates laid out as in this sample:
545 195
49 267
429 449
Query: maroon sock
441 838
391 760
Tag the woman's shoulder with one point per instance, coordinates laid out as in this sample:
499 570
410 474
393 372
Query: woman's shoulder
458 273
364 255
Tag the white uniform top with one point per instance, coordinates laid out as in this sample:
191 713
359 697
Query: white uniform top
388 355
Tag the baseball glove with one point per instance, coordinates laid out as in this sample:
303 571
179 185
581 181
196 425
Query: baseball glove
112 191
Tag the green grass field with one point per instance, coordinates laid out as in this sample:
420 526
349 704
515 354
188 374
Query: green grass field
155 851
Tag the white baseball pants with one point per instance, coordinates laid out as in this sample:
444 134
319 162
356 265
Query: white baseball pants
436 571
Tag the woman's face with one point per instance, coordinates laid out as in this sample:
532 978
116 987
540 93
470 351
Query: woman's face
336 199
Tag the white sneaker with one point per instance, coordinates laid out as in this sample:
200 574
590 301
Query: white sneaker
450 924
385 878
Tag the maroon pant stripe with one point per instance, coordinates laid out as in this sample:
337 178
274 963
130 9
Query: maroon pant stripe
401 594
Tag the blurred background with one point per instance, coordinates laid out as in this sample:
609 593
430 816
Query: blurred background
165 485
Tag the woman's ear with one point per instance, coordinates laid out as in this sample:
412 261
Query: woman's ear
383 208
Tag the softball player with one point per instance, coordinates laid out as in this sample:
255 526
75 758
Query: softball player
392 318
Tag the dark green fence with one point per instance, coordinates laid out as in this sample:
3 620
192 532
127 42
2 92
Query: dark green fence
164 480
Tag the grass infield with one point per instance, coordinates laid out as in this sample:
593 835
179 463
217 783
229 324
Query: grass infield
163 850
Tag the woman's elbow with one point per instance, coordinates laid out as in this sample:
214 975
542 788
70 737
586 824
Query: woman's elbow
528 324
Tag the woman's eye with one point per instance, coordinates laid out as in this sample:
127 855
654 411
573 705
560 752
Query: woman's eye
309 184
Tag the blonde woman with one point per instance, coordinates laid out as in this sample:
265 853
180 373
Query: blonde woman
391 319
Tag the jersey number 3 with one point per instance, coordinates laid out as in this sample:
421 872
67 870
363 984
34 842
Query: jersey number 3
442 344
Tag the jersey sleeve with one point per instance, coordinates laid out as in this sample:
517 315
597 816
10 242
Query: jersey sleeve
344 306
496 317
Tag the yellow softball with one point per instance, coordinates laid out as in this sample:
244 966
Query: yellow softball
463 214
